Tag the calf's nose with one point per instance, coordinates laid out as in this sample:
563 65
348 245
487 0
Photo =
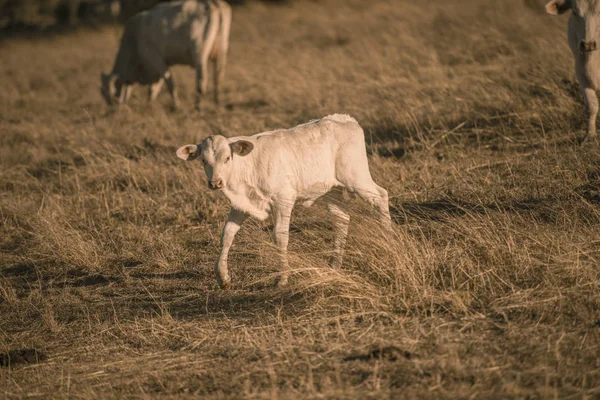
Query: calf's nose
587 46
216 184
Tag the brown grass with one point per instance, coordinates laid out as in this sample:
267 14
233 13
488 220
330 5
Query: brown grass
489 287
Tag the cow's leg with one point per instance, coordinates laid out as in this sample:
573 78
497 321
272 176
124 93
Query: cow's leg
591 105
155 65
201 82
128 91
201 53
341 221
216 80
283 213
219 75
125 93
168 78
155 89
232 226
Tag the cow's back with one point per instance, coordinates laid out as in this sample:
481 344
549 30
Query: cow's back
174 29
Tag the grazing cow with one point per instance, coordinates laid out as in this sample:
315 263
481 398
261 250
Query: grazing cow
584 40
268 172
185 32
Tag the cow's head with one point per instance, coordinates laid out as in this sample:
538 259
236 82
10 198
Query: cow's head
110 87
217 153
585 20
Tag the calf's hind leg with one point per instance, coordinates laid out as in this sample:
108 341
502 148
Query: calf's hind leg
341 221
378 197
357 178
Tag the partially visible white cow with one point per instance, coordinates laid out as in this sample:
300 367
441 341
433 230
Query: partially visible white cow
584 40
268 172
184 32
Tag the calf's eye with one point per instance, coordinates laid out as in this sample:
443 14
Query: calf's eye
227 159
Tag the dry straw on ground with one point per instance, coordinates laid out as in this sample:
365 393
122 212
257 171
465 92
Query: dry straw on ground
488 287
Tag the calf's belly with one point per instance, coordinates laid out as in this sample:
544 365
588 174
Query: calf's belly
309 194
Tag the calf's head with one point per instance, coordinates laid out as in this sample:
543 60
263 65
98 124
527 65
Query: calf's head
217 153
585 21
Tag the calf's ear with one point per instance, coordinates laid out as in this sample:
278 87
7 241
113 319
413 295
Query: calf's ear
241 147
188 152
556 7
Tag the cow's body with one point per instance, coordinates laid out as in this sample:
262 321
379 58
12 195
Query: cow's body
584 41
269 172
179 33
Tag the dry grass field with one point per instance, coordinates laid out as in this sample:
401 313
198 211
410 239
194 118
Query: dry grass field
489 286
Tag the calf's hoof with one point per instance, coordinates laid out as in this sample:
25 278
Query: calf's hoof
589 138
224 283
281 281
334 262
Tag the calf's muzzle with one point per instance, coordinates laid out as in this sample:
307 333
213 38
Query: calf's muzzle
216 184
588 46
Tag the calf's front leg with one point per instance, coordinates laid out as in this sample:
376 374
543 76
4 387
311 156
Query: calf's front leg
234 221
283 215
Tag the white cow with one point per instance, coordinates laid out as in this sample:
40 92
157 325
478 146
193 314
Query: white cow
268 172
584 40
184 32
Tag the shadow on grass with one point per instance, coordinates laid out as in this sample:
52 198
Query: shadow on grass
491 128
19 270
545 209
183 294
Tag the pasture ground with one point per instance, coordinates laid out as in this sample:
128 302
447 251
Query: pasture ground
488 288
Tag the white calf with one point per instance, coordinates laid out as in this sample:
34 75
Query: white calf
268 172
